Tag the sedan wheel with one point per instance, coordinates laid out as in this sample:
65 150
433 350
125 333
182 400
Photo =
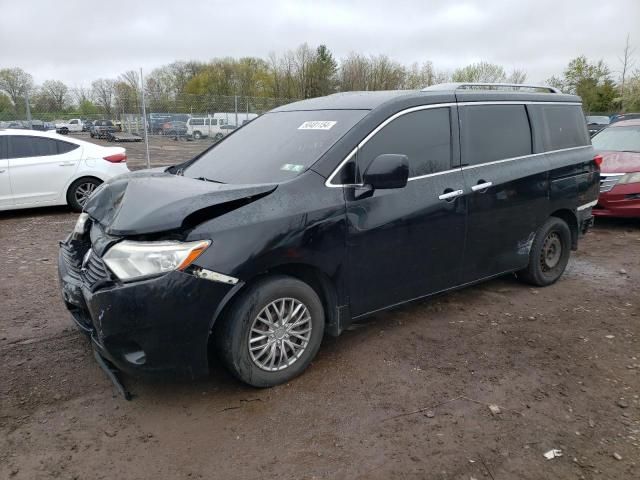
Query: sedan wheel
80 191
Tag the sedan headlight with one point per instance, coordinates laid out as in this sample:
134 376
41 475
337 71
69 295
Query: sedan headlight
128 259
630 178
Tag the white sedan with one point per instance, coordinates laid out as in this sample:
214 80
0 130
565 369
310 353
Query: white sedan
44 168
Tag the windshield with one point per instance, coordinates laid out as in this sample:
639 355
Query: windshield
600 120
274 147
618 139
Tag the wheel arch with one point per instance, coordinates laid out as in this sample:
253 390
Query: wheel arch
88 176
571 219
311 275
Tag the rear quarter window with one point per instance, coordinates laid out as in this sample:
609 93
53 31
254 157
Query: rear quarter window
494 132
564 127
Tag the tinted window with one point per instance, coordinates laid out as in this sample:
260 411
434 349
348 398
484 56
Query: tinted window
3 147
565 127
423 136
214 121
275 147
197 121
64 147
23 146
494 132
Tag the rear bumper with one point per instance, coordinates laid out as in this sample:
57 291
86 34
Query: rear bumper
154 327
621 201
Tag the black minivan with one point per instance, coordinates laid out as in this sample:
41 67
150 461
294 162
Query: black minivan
322 212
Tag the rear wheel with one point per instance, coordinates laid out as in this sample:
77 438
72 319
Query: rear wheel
80 191
549 253
272 332
218 137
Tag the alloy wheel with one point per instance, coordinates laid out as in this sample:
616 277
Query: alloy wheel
279 334
83 192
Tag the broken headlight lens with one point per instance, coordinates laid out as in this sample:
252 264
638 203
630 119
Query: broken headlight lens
129 260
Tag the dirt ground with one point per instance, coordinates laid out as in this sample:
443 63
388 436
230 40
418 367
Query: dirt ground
405 395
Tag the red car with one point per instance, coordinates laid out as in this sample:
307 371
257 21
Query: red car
619 145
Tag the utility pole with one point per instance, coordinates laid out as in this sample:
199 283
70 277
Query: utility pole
144 119
28 108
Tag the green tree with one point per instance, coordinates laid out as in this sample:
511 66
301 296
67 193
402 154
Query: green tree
480 72
322 75
591 81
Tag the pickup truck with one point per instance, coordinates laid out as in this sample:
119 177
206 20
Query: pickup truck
73 125
101 128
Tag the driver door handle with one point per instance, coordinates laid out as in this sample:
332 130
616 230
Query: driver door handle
481 186
67 164
451 195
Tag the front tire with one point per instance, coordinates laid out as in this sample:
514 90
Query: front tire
272 331
80 191
549 254
197 135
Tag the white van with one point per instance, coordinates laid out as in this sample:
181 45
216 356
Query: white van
199 127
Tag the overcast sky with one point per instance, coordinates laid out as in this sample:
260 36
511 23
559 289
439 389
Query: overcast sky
79 41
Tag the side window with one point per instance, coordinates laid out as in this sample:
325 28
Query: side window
65 147
73 122
206 122
214 121
3 147
494 132
24 146
565 127
423 136
197 121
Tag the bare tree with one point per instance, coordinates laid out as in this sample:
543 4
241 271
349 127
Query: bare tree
627 64
16 83
480 72
517 76
81 95
54 95
103 90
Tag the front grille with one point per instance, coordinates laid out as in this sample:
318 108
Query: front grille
608 181
73 265
94 271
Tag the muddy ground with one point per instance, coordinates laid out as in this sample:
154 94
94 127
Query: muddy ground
405 395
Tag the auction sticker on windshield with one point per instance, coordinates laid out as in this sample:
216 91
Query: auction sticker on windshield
317 125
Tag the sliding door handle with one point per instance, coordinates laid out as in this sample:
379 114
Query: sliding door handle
481 186
451 194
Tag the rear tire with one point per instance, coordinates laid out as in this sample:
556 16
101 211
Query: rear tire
549 254
80 191
263 353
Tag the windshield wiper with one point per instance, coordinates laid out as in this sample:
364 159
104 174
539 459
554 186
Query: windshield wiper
205 179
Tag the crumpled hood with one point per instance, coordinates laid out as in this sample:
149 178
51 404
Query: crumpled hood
620 162
153 201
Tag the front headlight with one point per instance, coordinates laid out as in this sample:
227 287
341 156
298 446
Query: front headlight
630 178
128 259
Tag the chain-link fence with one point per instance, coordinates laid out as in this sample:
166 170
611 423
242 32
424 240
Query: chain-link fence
195 121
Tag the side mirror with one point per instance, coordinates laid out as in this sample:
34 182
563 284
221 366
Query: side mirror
387 171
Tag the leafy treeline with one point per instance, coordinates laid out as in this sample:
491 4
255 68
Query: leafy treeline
301 73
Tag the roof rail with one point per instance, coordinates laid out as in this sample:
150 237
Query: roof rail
489 86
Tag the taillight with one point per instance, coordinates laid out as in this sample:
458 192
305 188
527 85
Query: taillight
117 158
597 160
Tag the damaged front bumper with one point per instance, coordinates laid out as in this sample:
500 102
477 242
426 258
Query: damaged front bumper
156 326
